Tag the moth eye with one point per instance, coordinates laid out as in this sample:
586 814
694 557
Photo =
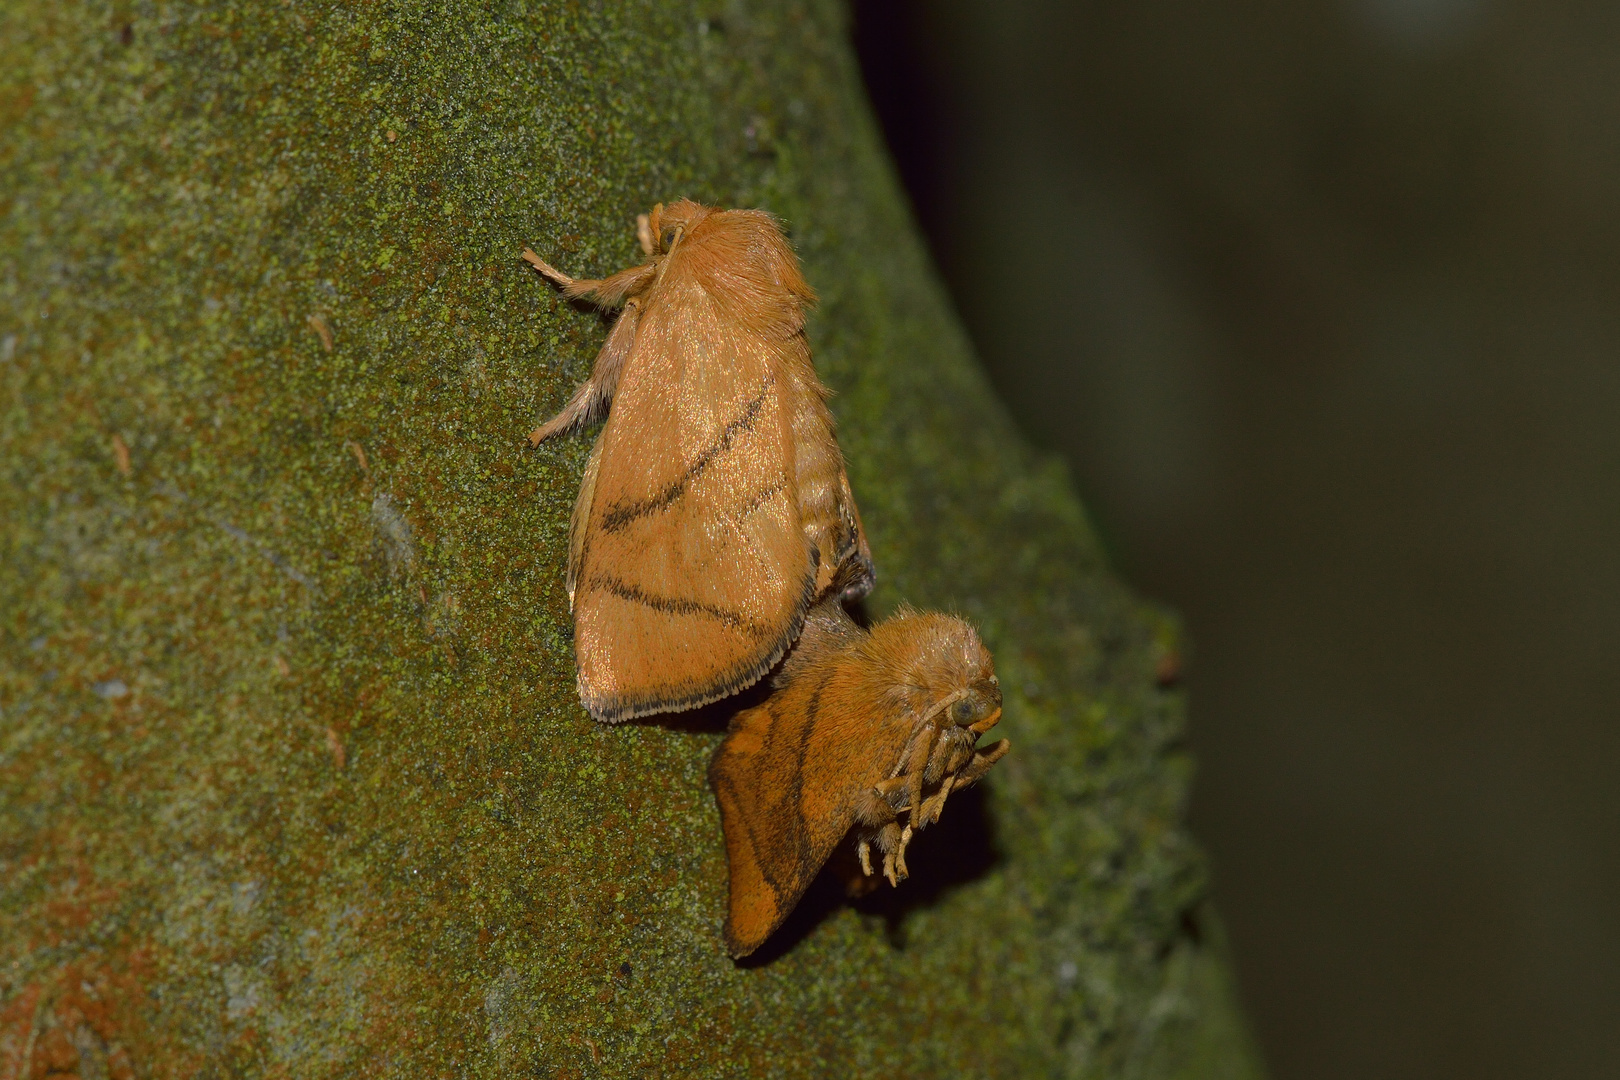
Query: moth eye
667 240
963 712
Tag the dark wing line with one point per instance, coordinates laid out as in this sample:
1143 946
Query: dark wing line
794 799
739 678
623 513
719 779
811 711
675 606
770 491
783 890
787 890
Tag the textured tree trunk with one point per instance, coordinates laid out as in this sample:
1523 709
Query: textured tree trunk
293 776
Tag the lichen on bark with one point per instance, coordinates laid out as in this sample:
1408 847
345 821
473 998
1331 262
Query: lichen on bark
293 778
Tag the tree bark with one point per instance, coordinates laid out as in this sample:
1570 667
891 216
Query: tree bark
293 776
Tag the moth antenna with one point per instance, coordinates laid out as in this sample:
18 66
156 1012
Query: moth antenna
923 732
918 727
669 249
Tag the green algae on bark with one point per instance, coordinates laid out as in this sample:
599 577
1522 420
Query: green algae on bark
293 779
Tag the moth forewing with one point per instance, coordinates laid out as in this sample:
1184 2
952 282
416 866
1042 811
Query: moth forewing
717 505
857 735
577 520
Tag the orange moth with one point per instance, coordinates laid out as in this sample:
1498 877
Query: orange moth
714 509
863 730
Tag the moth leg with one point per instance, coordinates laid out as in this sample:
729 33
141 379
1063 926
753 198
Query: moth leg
892 842
934 805
606 292
952 750
917 765
895 861
594 394
874 810
556 276
885 790
982 760
874 807
884 838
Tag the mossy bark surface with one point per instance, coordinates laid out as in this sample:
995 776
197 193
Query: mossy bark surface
293 777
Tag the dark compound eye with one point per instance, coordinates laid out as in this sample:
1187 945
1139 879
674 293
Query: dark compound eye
671 235
964 712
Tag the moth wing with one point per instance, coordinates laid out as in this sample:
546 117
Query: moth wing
789 772
693 571
770 855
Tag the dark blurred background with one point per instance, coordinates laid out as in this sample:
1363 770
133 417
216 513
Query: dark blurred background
1321 301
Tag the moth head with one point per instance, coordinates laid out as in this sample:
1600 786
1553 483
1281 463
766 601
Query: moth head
982 701
666 225
936 662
